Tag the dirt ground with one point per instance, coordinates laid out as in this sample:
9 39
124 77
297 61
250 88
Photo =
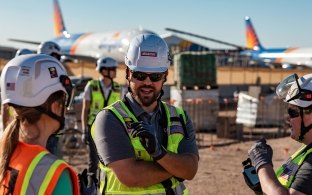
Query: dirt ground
220 167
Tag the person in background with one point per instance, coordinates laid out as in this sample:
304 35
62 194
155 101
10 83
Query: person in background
6 112
52 49
295 175
145 146
98 94
38 89
23 51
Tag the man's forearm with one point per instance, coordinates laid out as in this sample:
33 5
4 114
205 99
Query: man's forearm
84 114
180 165
133 173
269 182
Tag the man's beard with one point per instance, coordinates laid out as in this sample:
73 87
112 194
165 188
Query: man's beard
143 100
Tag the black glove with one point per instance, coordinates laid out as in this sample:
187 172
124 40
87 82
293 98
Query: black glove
86 186
260 154
148 140
85 135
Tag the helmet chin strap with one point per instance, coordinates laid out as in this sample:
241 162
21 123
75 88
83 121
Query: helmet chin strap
60 119
303 129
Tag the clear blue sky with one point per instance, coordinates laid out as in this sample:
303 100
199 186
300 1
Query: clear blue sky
279 23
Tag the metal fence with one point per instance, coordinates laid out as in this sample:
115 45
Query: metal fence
221 125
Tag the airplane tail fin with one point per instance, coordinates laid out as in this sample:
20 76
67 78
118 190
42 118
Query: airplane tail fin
59 25
251 36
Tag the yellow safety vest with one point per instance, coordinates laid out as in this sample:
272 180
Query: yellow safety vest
109 184
98 101
287 172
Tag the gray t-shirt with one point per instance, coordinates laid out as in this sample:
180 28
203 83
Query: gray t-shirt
303 179
113 143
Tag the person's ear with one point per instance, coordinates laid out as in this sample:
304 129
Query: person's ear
165 77
56 107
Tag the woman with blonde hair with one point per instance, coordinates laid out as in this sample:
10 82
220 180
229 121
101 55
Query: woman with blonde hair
37 87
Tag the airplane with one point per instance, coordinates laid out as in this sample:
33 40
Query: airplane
292 55
285 57
93 45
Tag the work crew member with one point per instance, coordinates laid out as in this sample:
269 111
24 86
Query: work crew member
52 49
38 89
145 146
98 94
295 175
6 112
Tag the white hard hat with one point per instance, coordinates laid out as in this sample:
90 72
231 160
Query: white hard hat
28 80
296 91
105 62
49 48
23 51
148 53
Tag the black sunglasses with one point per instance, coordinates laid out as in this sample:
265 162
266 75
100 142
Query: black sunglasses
141 76
293 113
67 84
109 68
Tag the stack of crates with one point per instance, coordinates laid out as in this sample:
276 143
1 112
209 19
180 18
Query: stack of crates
195 70
195 88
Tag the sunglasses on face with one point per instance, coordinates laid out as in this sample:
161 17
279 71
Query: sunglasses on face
109 68
293 113
141 76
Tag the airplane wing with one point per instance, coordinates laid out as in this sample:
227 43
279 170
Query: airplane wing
25 41
178 44
239 47
76 58
65 57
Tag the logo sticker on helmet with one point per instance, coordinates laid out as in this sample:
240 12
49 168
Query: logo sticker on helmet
53 72
25 71
149 53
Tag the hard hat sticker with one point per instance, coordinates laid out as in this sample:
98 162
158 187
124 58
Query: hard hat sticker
149 53
25 71
10 86
53 72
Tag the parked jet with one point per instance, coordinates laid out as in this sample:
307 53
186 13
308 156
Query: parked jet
255 50
91 46
291 55
88 45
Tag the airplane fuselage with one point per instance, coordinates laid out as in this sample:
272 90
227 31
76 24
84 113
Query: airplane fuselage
96 45
294 56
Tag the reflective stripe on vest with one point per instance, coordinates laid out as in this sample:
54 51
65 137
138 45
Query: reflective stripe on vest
175 135
287 172
97 101
38 171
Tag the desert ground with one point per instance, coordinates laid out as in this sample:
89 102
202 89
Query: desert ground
220 165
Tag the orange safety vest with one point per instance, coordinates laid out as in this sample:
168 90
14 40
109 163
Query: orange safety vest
33 170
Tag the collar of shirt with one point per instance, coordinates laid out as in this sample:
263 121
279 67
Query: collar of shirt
105 89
